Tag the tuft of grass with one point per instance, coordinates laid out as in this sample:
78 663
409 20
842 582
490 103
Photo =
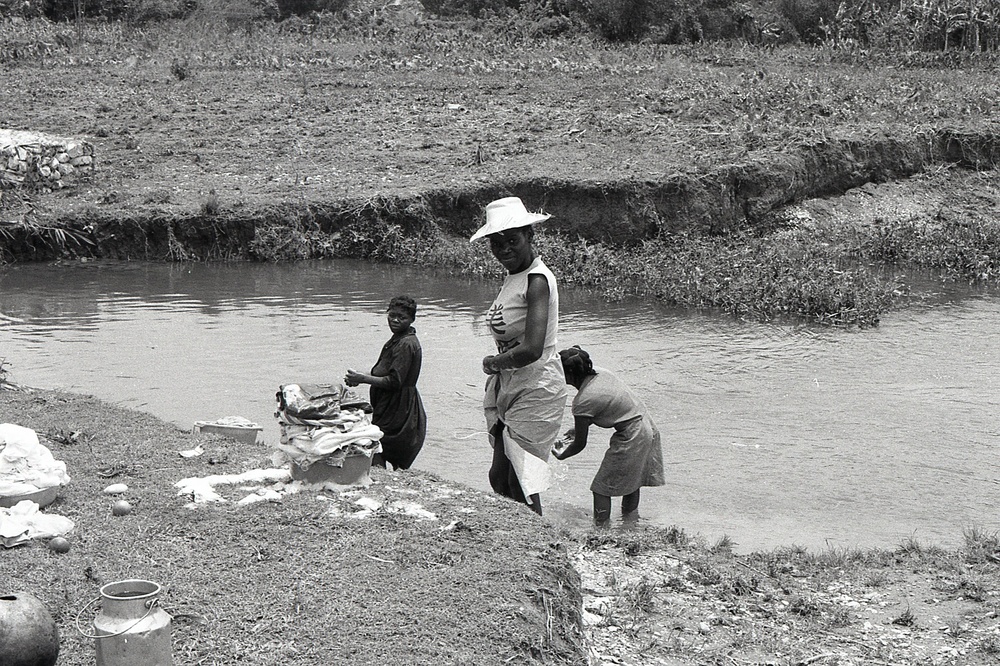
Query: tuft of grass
180 68
910 547
43 239
723 546
981 546
210 207
905 619
955 627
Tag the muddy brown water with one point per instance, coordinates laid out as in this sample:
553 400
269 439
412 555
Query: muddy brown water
774 434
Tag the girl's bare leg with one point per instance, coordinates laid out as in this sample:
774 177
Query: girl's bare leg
630 507
602 510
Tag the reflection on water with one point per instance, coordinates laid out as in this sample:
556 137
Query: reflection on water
774 435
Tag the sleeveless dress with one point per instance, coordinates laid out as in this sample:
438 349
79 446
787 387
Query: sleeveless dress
634 457
398 411
529 400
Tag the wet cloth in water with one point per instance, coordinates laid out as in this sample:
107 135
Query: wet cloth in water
529 400
634 457
398 410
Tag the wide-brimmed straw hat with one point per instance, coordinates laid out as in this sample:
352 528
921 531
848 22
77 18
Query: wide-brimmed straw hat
508 213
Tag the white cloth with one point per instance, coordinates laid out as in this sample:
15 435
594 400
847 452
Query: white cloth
25 521
27 466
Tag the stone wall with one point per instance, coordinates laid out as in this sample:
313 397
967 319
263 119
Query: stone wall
30 159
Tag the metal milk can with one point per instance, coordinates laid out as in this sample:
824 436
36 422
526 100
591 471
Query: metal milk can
131 628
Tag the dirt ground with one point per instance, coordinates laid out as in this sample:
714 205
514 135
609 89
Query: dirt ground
673 606
616 142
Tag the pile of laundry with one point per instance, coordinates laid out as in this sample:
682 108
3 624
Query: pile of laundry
29 471
323 424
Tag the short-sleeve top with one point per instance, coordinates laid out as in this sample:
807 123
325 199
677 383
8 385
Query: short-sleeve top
606 400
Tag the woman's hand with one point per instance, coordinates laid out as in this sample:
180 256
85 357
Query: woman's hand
489 365
561 449
353 378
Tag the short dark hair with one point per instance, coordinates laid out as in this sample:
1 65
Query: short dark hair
404 303
576 363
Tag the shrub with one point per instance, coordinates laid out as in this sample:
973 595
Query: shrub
809 18
287 8
620 20
21 8
929 25
476 8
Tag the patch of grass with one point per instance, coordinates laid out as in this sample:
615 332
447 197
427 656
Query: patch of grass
877 578
293 241
741 274
981 545
965 250
905 619
298 581
211 206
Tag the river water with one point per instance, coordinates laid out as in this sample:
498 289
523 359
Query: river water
775 434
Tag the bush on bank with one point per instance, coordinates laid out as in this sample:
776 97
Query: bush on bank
842 276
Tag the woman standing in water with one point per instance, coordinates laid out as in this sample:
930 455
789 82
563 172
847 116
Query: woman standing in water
526 388
634 457
397 408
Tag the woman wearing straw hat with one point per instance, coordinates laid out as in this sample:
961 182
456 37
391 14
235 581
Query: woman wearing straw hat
526 387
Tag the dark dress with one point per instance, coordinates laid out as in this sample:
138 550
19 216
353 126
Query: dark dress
398 410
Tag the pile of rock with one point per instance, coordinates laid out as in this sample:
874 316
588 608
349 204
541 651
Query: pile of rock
48 162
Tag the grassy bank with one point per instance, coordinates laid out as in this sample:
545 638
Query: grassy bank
368 577
412 570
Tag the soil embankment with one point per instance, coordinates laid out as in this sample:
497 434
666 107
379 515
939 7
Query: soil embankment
422 128
621 212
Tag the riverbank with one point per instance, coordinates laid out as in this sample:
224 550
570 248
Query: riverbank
415 570
411 570
672 173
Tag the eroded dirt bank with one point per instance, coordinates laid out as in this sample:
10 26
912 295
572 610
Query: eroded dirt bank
423 125
619 212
